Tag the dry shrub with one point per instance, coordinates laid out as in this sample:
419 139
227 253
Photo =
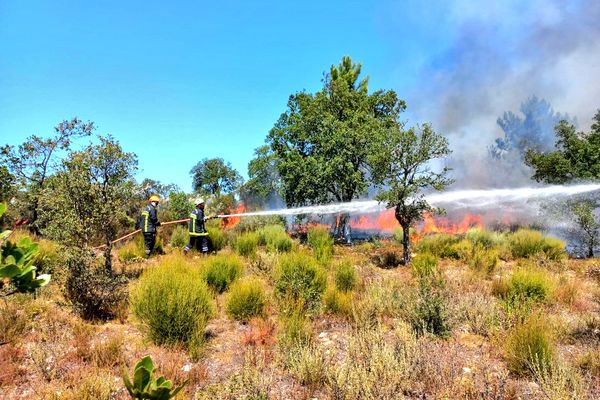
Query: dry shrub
480 259
108 352
174 364
96 386
566 290
246 299
376 366
261 333
387 257
308 364
557 380
383 299
590 362
14 318
12 365
478 312
296 329
529 347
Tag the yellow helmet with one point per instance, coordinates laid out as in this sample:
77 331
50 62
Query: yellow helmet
154 198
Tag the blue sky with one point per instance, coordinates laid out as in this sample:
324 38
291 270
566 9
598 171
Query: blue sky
179 81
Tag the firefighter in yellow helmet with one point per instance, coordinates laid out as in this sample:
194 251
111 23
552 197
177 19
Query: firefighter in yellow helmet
148 223
197 230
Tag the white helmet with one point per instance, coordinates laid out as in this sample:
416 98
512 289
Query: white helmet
198 200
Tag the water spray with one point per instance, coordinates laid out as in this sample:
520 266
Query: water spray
457 198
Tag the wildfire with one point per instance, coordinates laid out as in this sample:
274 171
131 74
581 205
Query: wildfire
230 222
386 222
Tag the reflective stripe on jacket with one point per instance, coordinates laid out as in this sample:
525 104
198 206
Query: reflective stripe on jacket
196 224
148 219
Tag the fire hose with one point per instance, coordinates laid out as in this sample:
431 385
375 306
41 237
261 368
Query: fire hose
161 224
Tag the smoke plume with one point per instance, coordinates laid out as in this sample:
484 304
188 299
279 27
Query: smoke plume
502 56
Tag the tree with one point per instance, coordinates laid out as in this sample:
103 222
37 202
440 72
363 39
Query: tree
85 200
148 187
576 157
402 169
264 184
588 223
215 177
179 205
322 142
534 131
33 161
7 180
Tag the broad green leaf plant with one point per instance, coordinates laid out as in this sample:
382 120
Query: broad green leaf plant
145 386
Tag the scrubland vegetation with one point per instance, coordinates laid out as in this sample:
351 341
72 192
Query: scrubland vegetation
481 315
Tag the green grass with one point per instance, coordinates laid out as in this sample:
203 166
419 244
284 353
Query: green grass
345 277
275 238
180 237
526 243
529 347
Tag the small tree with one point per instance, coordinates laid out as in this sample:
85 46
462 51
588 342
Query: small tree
588 224
401 166
264 183
86 199
214 176
33 161
179 205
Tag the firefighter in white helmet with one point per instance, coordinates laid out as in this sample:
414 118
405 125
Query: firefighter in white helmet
197 229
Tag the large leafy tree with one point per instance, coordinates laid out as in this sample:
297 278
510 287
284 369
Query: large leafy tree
214 176
576 157
322 142
86 199
7 181
264 183
33 161
402 167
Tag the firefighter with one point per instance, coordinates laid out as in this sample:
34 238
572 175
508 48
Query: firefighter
148 224
197 230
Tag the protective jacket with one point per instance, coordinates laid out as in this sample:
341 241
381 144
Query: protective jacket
149 220
196 223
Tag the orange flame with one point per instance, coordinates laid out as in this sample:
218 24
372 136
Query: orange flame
230 222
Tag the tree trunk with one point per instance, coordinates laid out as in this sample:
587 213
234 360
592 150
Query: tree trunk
405 243
591 249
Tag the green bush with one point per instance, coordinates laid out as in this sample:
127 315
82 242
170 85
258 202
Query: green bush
48 257
180 237
254 223
321 242
528 284
173 302
526 243
95 293
345 277
218 239
441 245
246 244
529 347
246 299
275 238
299 278
221 270
429 314
484 238
338 302
481 259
